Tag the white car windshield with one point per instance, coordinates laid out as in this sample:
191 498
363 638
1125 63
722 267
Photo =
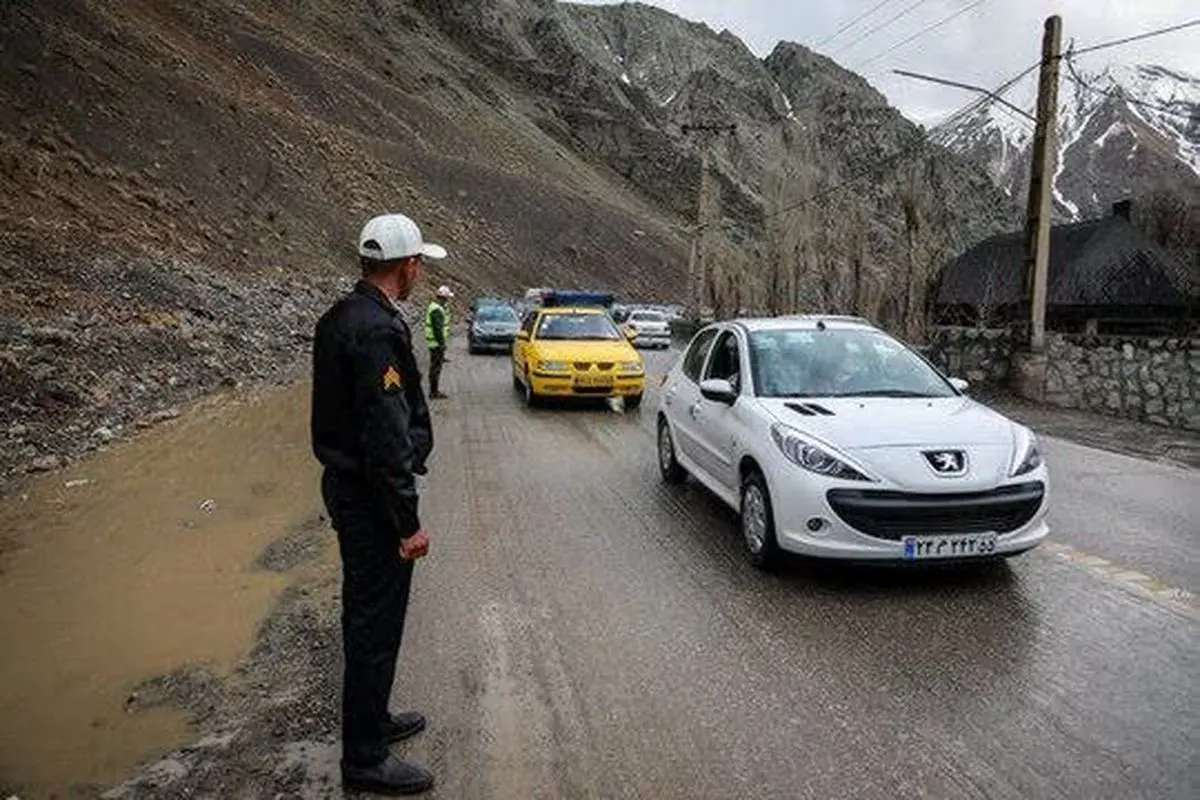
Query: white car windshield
840 363
577 326
496 314
648 316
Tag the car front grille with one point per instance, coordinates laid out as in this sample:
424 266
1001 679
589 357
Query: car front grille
893 515
592 389
583 366
586 366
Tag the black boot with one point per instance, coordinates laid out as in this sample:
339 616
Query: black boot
399 727
390 776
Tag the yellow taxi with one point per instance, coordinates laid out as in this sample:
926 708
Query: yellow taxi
575 352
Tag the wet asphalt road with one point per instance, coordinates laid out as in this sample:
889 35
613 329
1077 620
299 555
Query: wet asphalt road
582 630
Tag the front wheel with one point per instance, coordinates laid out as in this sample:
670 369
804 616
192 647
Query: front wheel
668 466
758 523
531 398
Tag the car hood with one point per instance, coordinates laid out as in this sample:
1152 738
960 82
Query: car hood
890 436
585 351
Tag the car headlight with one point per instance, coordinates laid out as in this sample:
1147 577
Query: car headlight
1028 456
631 366
804 453
554 366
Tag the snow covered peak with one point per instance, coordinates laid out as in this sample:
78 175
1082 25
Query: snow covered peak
1109 123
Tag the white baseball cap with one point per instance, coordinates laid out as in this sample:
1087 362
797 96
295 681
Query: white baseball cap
392 236
444 291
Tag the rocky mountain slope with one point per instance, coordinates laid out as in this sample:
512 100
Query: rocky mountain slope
181 182
620 83
1124 131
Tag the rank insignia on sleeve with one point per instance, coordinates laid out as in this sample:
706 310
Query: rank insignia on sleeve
392 379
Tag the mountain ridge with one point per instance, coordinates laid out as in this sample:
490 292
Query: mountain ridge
1122 131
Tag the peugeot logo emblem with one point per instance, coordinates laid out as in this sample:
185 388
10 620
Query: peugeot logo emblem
946 463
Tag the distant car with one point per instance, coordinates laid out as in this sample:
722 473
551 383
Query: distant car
833 439
493 328
650 329
575 352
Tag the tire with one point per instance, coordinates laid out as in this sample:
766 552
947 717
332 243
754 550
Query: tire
757 523
668 467
531 398
633 401
517 386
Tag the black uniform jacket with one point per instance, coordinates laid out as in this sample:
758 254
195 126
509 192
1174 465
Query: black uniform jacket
369 416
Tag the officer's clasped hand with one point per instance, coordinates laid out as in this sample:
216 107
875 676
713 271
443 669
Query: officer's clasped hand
415 546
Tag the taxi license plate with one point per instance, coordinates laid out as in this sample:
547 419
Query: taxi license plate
921 548
593 380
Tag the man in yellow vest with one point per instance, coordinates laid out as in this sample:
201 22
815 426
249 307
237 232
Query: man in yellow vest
437 334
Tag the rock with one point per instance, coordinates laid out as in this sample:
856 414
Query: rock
45 463
1153 390
1154 406
163 416
52 336
1112 401
1127 351
17 430
104 434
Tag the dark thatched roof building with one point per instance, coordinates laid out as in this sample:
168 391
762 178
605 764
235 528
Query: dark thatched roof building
1104 273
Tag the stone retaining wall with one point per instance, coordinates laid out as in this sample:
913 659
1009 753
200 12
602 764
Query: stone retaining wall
1151 379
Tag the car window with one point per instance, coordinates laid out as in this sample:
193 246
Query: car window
577 327
649 316
840 363
693 360
725 363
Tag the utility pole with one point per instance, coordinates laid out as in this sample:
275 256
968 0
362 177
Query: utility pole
697 260
1041 176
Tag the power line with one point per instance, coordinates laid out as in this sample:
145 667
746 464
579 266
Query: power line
852 23
1074 77
919 34
1139 37
907 10
997 98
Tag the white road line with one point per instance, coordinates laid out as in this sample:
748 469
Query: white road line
1180 600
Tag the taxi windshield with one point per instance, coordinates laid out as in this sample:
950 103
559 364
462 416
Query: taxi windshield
577 326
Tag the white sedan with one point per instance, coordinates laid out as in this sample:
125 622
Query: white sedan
651 327
833 439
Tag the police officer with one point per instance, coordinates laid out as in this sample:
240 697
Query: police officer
437 333
371 431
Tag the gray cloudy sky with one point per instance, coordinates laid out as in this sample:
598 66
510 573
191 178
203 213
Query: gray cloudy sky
984 46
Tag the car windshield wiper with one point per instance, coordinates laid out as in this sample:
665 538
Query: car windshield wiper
887 393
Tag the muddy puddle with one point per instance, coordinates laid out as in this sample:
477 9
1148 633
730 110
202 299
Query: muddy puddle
135 564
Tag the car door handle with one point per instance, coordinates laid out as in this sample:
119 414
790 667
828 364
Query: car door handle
695 411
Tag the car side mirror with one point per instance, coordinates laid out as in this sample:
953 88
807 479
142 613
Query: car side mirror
960 385
719 391
523 336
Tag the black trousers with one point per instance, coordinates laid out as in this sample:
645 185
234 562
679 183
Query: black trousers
375 589
437 357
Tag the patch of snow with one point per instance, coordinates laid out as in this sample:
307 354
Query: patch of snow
670 99
1058 197
1116 127
625 77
